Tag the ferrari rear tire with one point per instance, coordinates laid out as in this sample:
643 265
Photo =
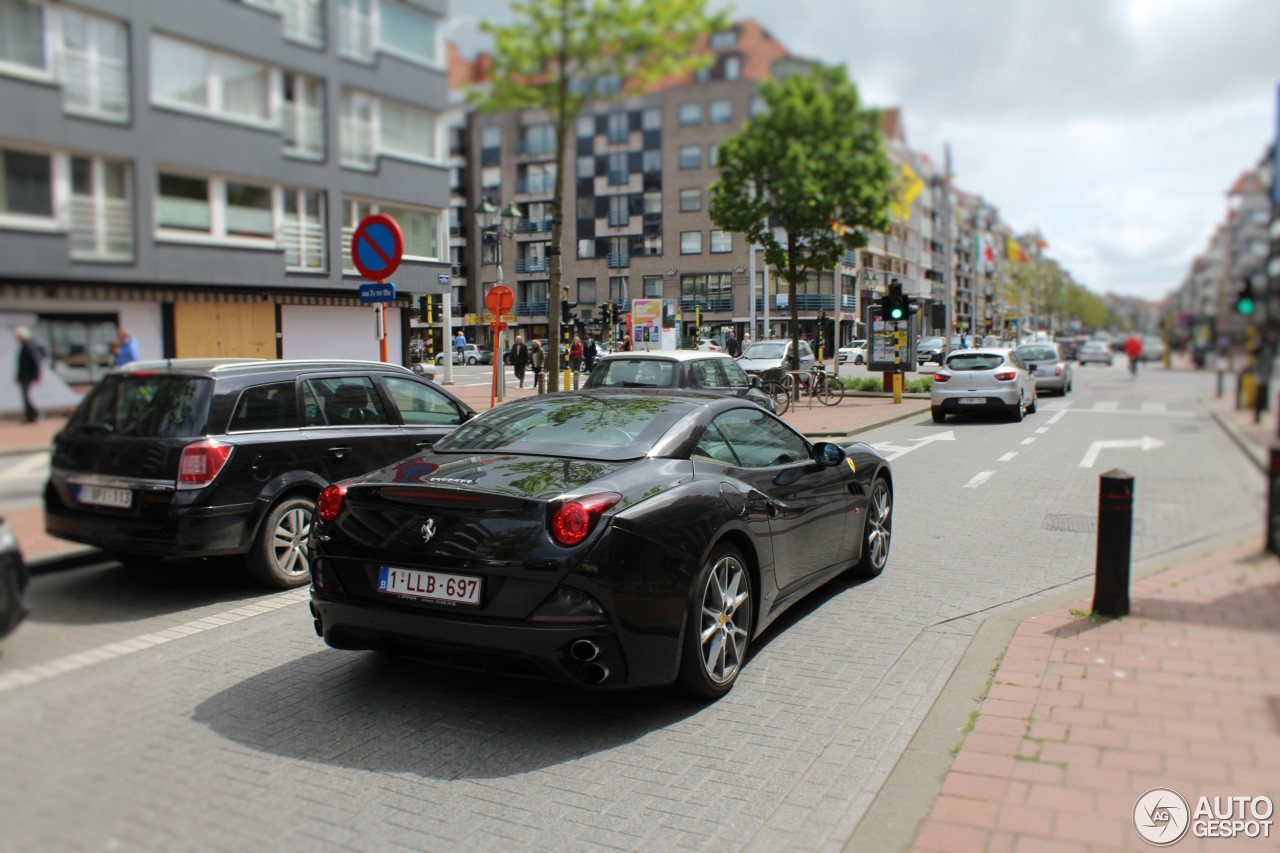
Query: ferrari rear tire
279 556
877 531
717 625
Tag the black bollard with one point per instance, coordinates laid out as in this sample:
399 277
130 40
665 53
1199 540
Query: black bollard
1115 537
1273 500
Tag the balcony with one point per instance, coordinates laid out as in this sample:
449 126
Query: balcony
619 219
304 131
717 303
356 138
532 309
527 265
804 301
304 246
355 35
619 260
618 178
850 259
534 226
94 84
303 19
101 229
535 149
536 186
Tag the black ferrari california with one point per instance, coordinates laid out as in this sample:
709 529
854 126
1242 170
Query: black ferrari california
609 539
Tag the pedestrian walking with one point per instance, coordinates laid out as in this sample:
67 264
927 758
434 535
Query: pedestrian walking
589 353
29 358
1133 349
519 358
746 340
538 360
575 354
731 345
460 346
128 348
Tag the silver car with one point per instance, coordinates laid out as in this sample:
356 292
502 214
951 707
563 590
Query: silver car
983 380
1096 352
1052 371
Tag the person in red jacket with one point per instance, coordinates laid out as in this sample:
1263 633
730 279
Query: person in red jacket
1133 349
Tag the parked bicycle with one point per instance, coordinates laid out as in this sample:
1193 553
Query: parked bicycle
816 384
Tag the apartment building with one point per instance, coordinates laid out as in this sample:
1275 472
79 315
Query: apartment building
636 210
193 170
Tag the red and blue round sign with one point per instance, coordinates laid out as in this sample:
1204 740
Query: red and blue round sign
377 246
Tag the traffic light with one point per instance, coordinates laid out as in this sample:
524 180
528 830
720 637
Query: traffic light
1244 299
610 313
894 305
566 311
424 309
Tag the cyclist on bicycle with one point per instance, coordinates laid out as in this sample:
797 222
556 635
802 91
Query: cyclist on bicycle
1133 349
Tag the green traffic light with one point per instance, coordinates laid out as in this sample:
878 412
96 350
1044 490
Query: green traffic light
895 313
1245 306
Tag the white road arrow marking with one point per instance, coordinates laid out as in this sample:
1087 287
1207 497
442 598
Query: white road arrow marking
892 451
1091 455
979 478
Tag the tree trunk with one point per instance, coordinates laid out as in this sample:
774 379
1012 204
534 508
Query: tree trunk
792 275
555 258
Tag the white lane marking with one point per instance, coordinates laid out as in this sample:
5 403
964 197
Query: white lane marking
892 451
1091 455
69 663
1106 406
1028 440
1156 408
1008 457
1042 430
1053 420
979 479
33 464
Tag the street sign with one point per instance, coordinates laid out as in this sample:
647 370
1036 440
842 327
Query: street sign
383 291
377 246
499 299
443 278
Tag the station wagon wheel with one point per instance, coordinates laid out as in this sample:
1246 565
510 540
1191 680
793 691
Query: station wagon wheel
279 556
718 625
877 531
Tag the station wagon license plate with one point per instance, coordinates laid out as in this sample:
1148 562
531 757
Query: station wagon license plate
103 496
973 401
432 586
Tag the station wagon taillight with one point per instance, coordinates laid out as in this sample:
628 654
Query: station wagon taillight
1006 376
200 463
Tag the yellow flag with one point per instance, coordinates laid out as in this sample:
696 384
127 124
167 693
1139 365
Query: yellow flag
909 186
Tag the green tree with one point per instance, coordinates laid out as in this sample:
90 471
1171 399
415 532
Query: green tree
558 54
814 157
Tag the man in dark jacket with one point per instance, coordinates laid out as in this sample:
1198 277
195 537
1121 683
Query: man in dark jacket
589 353
28 371
520 358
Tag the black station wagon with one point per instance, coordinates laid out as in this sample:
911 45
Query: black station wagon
204 457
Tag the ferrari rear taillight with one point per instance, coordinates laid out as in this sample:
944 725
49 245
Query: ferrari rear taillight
330 503
200 463
574 520
1005 377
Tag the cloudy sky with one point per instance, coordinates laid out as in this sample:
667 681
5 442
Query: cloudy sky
1113 126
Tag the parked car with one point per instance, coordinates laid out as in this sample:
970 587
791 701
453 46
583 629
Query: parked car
473 354
1095 352
713 372
1153 348
1052 370
606 539
931 349
14 577
708 345
983 380
204 457
855 353
773 355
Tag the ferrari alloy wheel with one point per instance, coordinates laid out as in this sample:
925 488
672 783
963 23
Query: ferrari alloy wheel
279 557
877 531
719 625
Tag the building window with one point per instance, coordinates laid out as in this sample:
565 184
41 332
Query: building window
537 139
690 114
182 203
619 211
187 76
536 179
491 178
22 36
652 119
721 242
586 291
732 67
421 229
101 212
653 204
586 127
93 64
372 127
302 230
691 242
690 200
26 188
586 249
651 161
365 26
491 136
586 168
303 19
723 39
586 207
618 174
756 106
713 155
720 112
653 243
248 211
302 115
652 287
618 127
618 291
690 156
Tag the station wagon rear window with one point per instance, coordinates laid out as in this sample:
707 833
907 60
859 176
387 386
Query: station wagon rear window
147 406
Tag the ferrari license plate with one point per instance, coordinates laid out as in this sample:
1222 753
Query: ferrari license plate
103 496
973 401
433 586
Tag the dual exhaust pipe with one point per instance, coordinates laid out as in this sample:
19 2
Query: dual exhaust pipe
586 652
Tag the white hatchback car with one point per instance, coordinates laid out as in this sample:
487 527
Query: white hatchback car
983 380
855 353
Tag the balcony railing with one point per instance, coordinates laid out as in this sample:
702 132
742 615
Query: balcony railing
355 35
536 186
714 303
532 265
619 218
535 149
101 229
356 138
618 178
304 131
304 245
850 259
619 260
303 21
533 226
804 301
526 309
93 83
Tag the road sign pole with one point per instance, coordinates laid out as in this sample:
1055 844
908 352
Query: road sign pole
382 331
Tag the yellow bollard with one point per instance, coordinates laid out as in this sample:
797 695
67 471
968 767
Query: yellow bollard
897 387
1248 390
564 384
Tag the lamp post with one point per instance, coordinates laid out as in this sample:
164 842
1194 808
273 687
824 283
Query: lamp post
497 225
